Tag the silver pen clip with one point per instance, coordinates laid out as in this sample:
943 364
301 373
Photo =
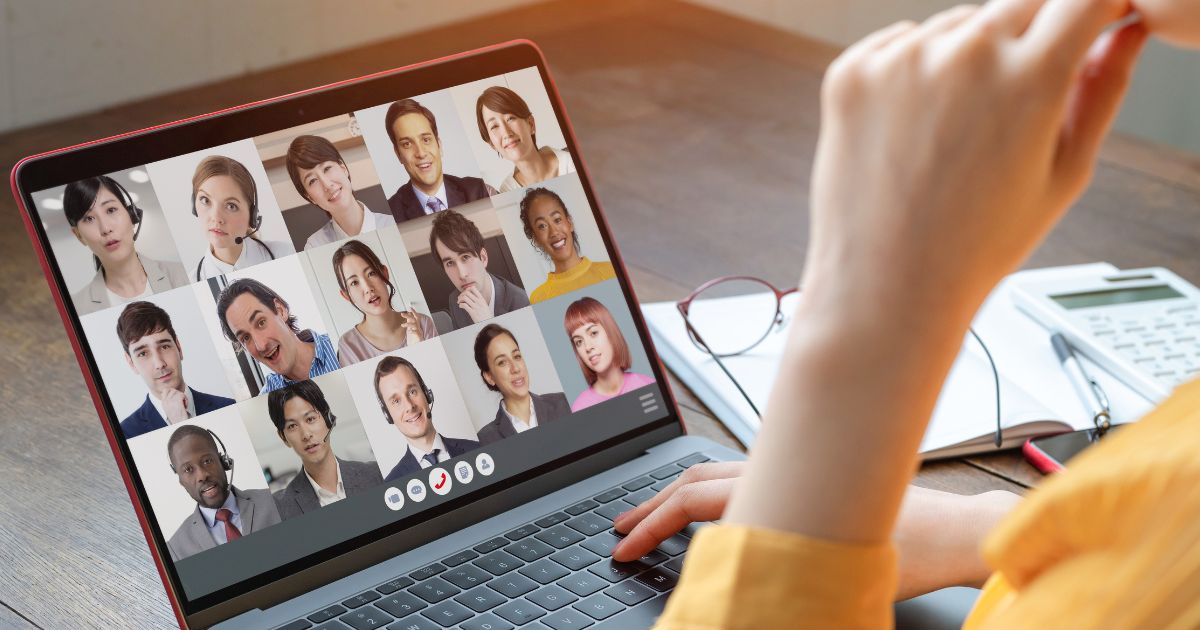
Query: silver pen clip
1103 419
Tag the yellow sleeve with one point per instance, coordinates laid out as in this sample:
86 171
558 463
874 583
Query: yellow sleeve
740 577
1112 542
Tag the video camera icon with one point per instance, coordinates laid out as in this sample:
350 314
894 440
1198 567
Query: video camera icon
393 499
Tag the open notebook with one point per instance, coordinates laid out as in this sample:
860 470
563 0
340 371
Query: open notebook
1035 396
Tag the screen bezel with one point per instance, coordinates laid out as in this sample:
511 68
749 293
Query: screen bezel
150 145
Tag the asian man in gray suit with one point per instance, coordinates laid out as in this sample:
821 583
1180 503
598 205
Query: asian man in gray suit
305 422
223 512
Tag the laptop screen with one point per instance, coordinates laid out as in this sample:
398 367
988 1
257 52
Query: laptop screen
309 336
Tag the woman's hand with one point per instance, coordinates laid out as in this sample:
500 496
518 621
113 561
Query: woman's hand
1176 21
412 325
937 534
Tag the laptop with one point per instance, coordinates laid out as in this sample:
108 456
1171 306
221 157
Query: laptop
367 355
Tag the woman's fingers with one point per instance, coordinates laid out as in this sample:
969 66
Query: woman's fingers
689 503
700 472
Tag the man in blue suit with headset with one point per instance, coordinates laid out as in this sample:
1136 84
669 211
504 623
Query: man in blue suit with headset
407 403
154 353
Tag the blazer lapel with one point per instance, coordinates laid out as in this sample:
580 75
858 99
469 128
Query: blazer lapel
197 531
96 290
454 192
246 507
303 493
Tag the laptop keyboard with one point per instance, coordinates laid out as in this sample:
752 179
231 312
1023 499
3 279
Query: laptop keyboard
554 572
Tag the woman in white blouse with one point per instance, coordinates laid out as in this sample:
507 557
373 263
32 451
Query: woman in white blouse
225 199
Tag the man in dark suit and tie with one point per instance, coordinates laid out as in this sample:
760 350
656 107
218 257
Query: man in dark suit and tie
304 422
478 295
223 512
412 129
407 403
154 353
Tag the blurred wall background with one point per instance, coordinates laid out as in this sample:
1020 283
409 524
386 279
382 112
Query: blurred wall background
1162 104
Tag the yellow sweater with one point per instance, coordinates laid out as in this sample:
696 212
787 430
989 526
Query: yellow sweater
1113 542
584 274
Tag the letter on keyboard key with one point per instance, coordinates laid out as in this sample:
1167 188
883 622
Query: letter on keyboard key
616 571
674 545
415 622
519 612
544 571
448 613
629 592
659 579
486 622
601 545
575 558
583 584
481 599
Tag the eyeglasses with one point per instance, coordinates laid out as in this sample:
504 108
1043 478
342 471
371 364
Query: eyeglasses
730 315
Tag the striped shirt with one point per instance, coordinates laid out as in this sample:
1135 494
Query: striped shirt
324 361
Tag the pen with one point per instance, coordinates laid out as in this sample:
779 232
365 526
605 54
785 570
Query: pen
1088 389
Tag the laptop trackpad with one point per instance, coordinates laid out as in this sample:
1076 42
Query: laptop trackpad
947 609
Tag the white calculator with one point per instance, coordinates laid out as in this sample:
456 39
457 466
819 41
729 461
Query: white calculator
1142 325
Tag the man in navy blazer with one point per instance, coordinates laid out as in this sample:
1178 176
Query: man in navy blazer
412 129
154 353
305 422
407 403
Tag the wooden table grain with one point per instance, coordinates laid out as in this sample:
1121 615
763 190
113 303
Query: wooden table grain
698 130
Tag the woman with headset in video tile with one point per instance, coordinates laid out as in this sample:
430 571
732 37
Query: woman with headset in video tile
225 199
105 219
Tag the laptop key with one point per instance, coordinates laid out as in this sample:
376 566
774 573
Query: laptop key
447 614
415 622
466 576
599 606
611 495
552 520
544 571
674 545
481 599
581 507
670 470
568 619
616 571
641 496
559 536
601 545
575 558
662 485
611 511
332 624
424 573
434 590
498 542
659 579
321 616
498 563
401 604
365 617
691 460
512 585
519 612
522 532
362 599
638 484
486 621
466 555
654 557
299 624
629 592
589 524
583 584
675 564
391 586
529 549
552 597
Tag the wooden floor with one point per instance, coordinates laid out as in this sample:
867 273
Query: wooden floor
698 130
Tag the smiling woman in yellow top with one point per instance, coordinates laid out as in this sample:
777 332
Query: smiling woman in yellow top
549 227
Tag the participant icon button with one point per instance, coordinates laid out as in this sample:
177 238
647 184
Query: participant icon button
484 464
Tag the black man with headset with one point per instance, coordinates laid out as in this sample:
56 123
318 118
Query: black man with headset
407 403
223 512
305 422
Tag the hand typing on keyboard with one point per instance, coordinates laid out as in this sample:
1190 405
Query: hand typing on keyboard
937 534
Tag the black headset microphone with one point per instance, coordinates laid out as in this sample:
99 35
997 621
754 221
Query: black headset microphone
387 415
251 233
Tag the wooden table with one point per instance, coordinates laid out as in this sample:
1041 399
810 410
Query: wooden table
698 130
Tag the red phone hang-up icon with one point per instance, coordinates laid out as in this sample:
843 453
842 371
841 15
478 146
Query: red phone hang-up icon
441 482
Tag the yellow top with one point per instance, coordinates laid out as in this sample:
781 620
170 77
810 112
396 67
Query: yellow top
581 275
1114 542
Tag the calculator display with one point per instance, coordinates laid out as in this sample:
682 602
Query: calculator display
1115 296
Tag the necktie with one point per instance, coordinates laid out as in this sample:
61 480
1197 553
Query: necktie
432 458
434 204
231 530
